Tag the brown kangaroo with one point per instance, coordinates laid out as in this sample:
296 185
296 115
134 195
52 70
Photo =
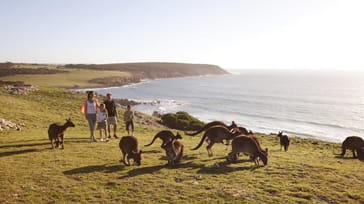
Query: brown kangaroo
265 151
129 148
244 131
174 151
216 134
353 143
165 136
247 145
213 123
56 132
283 140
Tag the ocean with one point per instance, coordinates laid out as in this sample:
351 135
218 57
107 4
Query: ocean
325 105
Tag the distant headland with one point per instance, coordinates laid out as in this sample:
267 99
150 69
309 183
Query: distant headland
132 72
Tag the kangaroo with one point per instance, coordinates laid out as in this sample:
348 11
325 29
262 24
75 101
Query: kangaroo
216 134
244 131
265 151
174 151
213 123
283 140
56 132
129 148
165 136
353 143
247 145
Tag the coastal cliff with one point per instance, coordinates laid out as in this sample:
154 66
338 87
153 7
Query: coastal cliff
148 70
102 75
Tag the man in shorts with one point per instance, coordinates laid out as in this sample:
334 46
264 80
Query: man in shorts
112 114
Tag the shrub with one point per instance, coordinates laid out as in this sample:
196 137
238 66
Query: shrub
181 121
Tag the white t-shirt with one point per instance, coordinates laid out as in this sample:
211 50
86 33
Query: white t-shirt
101 116
91 107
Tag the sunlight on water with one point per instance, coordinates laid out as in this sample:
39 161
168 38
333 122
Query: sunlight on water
327 105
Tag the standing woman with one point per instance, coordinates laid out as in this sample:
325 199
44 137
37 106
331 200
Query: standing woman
91 106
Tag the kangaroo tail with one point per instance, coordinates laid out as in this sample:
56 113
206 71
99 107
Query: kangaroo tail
196 133
199 145
154 138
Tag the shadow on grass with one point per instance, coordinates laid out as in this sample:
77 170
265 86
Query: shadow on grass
213 158
25 145
46 142
95 168
11 153
142 170
343 157
152 169
225 167
348 158
151 151
185 158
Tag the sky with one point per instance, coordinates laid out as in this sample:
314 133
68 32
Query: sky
251 34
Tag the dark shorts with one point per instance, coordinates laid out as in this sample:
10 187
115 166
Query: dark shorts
101 125
129 123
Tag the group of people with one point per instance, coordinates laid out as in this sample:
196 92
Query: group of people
105 115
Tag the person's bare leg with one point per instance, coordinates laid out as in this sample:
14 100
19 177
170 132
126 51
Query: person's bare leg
115 128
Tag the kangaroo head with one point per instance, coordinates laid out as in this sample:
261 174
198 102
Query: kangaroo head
69 123
280 134
233 125
178 136
136 156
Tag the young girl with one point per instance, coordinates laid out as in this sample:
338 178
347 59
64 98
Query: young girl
102 122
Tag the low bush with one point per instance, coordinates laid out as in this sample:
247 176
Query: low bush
181 121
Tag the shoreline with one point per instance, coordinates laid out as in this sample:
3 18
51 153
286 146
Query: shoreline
327 137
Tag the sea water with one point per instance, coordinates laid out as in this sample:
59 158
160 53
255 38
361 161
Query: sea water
326 105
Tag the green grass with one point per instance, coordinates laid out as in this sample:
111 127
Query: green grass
84 172
35 66
75 78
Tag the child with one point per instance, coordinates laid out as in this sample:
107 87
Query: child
128 118
102 122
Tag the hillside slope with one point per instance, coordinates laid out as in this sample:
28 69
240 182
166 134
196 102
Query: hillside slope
84 172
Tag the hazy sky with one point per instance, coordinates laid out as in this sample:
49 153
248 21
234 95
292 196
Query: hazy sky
229 33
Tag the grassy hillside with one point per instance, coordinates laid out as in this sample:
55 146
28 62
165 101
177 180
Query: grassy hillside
84 172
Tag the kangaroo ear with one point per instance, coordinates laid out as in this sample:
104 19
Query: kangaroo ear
266 149
140 151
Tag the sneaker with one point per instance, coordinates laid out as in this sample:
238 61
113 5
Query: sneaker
116 137
94 140
101 140
107 139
